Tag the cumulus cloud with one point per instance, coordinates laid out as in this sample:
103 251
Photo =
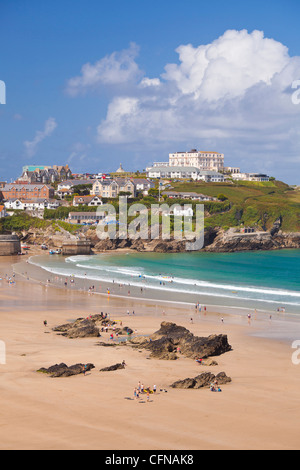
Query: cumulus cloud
227 67
114 69
49 128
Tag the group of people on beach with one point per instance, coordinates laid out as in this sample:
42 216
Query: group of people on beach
141 390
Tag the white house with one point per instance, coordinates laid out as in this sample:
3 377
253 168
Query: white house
259 177
173 172
87 201
143 185
31 205
185 172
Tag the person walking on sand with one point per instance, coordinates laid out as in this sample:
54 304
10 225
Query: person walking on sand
154 388
148 396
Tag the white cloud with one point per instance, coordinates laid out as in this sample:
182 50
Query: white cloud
114 69
31 146
149 82
227 67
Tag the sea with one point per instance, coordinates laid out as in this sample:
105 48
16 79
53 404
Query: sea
263 280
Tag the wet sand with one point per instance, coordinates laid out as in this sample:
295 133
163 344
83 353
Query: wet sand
258 410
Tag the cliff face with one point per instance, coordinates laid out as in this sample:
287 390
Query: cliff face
218 242
256 241
214 241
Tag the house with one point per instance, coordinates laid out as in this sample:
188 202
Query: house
112 188
85 218
188 195
210 176
62 193
44 174
173 172
258 177
71 184
27 191
87 201
143 185
31 205
185 172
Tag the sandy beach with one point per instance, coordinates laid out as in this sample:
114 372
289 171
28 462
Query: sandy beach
258 410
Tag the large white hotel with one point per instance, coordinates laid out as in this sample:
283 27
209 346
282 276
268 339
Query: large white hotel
212 161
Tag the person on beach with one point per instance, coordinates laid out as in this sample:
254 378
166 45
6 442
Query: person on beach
154 388
148 396
45 323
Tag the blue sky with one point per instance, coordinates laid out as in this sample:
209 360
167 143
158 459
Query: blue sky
97 83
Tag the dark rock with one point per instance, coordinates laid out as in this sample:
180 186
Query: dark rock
172 338
86 327
114 367
202 381
62 370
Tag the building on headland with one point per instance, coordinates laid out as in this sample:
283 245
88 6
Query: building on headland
230 170
185 172
27 191
202 160
120 169
191 196
258 177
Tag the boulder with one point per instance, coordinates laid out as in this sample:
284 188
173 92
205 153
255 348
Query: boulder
172 339
202 381
62 370
114 367
89 327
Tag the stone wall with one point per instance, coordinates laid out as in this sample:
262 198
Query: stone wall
9 245
73 248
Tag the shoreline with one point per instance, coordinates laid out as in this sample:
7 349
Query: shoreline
280 326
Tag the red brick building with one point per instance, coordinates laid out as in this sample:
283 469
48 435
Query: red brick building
27 191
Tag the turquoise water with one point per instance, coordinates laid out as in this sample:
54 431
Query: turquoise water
264 279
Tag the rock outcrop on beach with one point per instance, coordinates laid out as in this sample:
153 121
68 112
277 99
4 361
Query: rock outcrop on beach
112 368
62 370
90 327
202 380
81 328
172 340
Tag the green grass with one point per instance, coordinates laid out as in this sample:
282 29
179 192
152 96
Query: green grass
252 204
